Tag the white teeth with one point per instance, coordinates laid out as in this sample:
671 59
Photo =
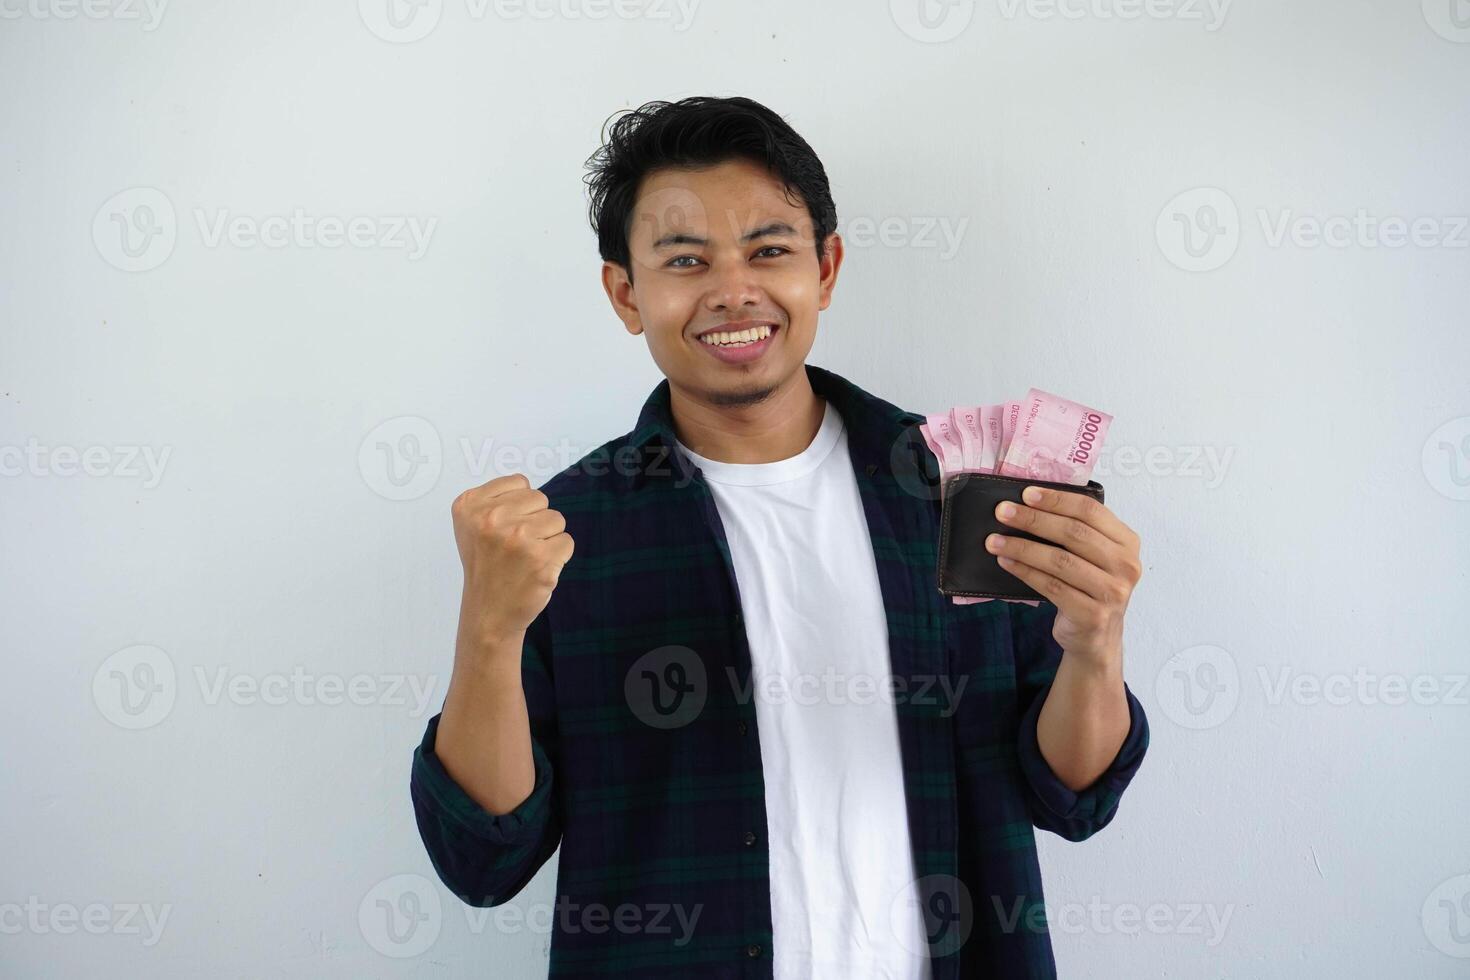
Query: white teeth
738 337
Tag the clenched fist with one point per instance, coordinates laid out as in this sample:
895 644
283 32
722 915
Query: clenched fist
513 546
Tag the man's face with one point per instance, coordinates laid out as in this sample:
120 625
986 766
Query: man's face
723 247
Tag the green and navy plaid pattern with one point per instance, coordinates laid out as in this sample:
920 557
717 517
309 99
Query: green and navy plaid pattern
648 765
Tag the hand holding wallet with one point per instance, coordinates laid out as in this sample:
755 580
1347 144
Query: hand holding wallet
968 516
990 453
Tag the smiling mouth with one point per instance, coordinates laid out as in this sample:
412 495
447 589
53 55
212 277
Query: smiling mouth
738 338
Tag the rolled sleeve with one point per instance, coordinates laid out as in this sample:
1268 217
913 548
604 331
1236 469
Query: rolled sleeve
487 858
1068 813
432 785
1072 814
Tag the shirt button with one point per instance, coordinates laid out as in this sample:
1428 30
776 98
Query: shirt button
752 951
744 728
872 468
750 838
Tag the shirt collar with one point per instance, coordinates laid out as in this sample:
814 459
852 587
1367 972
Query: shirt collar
878 432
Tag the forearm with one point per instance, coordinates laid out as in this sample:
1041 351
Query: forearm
484 737
1084 721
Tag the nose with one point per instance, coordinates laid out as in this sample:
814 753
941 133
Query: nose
732 286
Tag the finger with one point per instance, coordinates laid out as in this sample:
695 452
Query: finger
1083 508
1076 536
1077 572
545 524
523 501
502 484
560 548
1068 600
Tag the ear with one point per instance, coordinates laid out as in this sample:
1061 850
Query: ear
620 293
827 269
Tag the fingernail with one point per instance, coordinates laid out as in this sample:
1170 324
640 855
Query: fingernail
1032 495
993 542
1006 510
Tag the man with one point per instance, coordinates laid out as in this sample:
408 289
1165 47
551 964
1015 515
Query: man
764 742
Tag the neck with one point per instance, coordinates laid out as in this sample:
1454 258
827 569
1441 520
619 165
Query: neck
776 427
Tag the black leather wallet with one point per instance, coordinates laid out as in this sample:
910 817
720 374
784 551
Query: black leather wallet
965 567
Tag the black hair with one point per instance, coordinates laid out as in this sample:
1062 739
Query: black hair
696 132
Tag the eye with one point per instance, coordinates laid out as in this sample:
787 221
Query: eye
777 250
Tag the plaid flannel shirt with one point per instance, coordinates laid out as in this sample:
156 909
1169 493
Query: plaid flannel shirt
647 760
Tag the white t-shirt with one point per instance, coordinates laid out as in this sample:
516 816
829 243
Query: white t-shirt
843 898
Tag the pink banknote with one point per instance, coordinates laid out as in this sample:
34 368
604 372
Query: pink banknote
992 417
944 442
971 430
1041 437
1009 411
1055 439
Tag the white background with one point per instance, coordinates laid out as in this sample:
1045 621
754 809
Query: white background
1328 540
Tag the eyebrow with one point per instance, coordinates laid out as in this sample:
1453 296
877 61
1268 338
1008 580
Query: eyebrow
765 231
